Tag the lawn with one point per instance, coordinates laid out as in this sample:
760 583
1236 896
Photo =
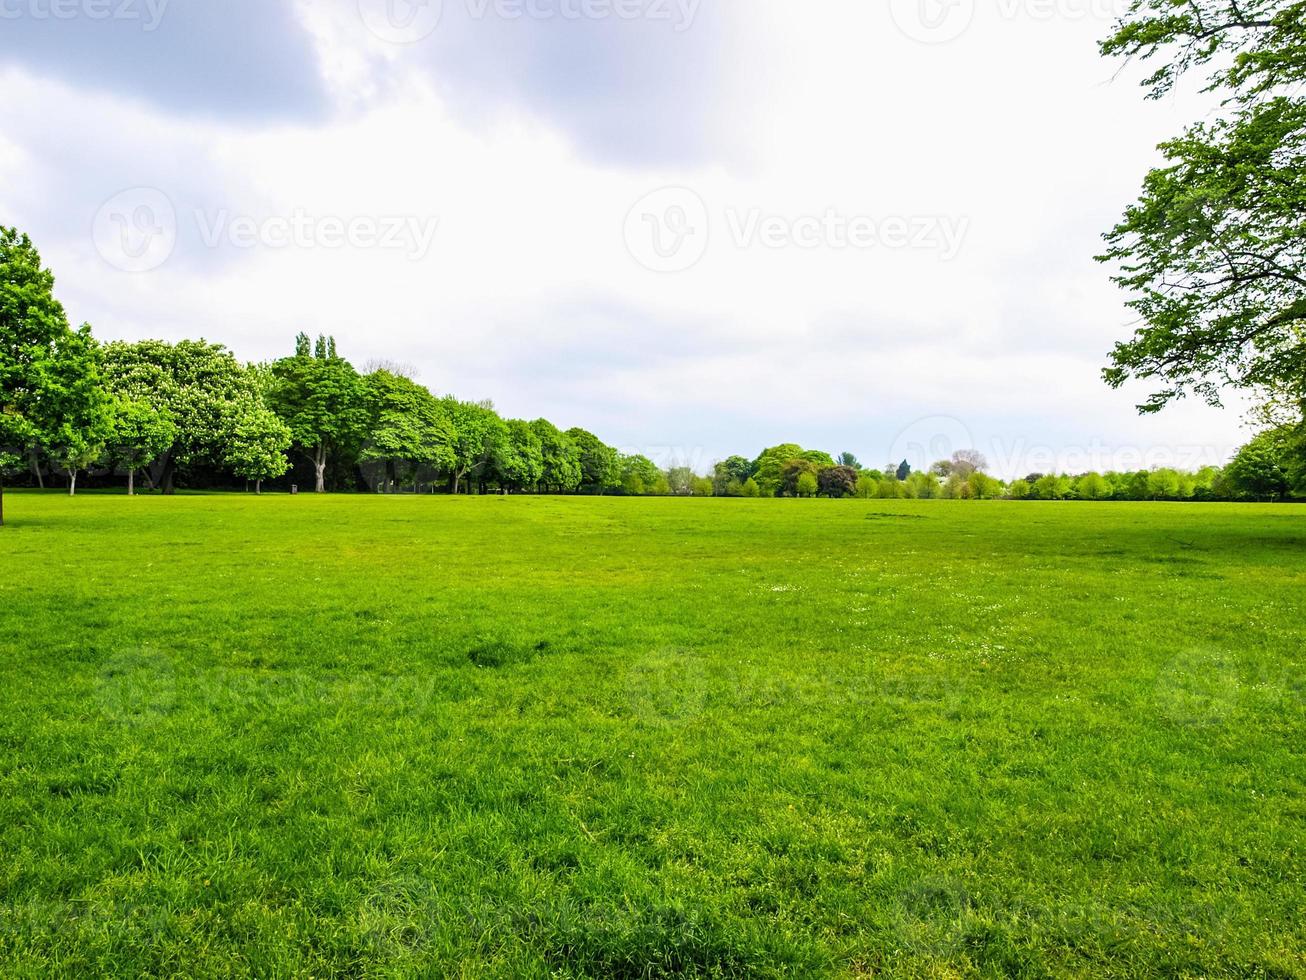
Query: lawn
535 737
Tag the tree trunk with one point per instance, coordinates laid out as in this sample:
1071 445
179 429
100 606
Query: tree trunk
2 502
258 487
72 483
35 460
319 469
131 483
166 481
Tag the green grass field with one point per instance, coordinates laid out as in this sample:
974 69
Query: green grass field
533 737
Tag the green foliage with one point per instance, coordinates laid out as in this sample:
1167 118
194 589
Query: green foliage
74 412
750 488
258 451
805 484
600 468
478 435
323 401
139 433
639 475
680 481
46 370
560 456
1261 468
837 481
199 387
1213 254
1093 486
407 428
519 460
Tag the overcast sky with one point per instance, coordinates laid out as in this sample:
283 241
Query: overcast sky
697 228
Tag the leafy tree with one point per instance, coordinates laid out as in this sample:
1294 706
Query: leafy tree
837 481
561 458
518 462
639 475
1260 469
258 451
1052 488
982 486
793 471
73 408
478 432
966 462
750 489
680 480
407 428
889 488
769 466
1163 484
1093 486
849 460
599 467
321 397
867 486
1019 490
701 486
138 434
922 486
1213 254
903 471
733 472
197 386
806 484
34 334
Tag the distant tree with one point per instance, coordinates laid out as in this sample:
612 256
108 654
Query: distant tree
701 486
806 484
1093 486
34 335
138 434
1163 484
1019 490
320 396
982 486
407 428
518 462
922 486
258 451
903 471
792 471
1052 488
73 413
837 481
767 467
680 480
750 488
639 475
728 476
478 432
1260 469
849 460
560 456
942 469
967 461
890 488
599 467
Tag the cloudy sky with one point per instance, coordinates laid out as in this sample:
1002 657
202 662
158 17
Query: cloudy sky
697 227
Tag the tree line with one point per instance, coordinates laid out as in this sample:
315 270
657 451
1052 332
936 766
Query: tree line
190 414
